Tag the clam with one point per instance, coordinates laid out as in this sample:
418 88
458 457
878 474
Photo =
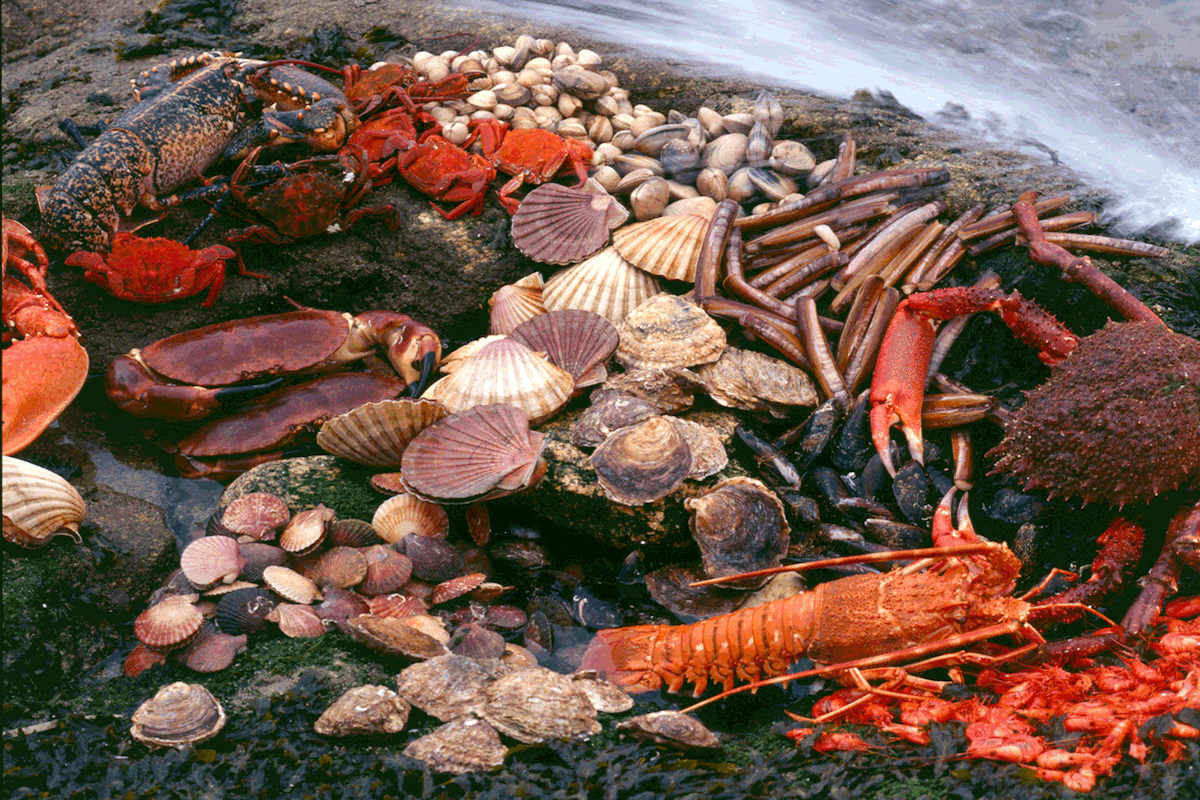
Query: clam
727 152
740 122
711 121
701 206
768 112
244 611
306 531
633 179
668 331
741 187
405 514
758 145
393 637
604 284
582 83
258 515
536 705
515 303
652 141
38 504
791 158
169 623
466 744
713 182
557 224
668 246
513 94
680 157
576 341
297 621
642 463
740 526
364 711
673 729
628 162
506 372
387 570
772 184
210 560
291 585
647 202
179 714
376 434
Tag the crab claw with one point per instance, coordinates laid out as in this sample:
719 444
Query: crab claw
898 387
409 343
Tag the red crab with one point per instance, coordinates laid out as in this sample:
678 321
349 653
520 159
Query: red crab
532 155
446 172
390 84
1119 420
155 270
389 134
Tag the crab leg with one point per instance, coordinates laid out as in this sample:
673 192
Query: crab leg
1182 546
897 389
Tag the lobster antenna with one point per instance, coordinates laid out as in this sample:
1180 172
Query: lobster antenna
972 548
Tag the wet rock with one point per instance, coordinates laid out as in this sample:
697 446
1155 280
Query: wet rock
309 481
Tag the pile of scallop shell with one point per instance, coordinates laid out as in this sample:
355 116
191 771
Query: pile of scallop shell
38 505
657 161
395 584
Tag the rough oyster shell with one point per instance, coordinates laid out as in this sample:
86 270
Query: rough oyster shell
535 705
364 711
578 342
38 504
609 411
671 588
486 451
169 623
515 303
556 224
673 729
449 686
708 448
605 697
464 745
666 246
642 463
740 526
668 331
754 381
405 514
604 284
210 560
376 434
179 714
508 372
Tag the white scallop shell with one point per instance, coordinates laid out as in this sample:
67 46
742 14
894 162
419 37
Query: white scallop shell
667 246
457 358
38 504
516 303
604 284
508 372
405 514
376 434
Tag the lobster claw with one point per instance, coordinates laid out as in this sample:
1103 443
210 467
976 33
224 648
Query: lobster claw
898 388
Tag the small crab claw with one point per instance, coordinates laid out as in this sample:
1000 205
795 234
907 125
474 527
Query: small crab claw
898 387
945 532
409 343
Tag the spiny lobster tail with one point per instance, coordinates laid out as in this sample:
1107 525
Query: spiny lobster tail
622 656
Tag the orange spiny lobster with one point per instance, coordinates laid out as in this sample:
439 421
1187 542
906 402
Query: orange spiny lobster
931 606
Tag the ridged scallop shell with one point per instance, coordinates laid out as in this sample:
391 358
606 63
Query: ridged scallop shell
259 556
140 659
179 714
484 452
668 331
291 585
556 224
244 611
666 246
433 560
351 533
210 560
168 624
475 641
508 372
339 568
396 606
403 514
306 531
376 434
456 358
38 504
387 570
604 284
515 303
258 515
340 605
211 650
454 588
576 341
297 621
642 463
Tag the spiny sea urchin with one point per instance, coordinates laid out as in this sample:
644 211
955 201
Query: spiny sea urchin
1118 421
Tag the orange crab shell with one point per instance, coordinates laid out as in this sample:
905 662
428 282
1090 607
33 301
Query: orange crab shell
154 269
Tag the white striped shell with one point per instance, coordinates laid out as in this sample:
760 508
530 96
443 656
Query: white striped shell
508 372
211 560
487 451
291 585
666 246
515 303
403 514
38 504
556 224
576 341
179 714
604 284
455 359
376 434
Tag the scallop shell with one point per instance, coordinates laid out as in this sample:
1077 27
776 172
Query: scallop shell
515 303
396 606
38 504
387 570
210 560
258 515
244 611
604 284
351 533
556 224
467 744
454 588
169 623
387 483
485 451
376 434
258 557
642 463
668 331
339 568
405 514
508 372
577 341
211 650
740 526
474 641
179 714
340 605
140 659
667 246
394 637
432 559
306 531
364 711
454 360
297 621
291 585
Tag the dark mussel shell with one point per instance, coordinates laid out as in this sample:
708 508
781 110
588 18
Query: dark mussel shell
244 611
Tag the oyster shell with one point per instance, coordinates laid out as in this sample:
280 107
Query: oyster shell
668 331
508 372
707 446
487 451
515 303
673 729
364 711
604 284
449 686
210 560
169 623
405 514
535 705
740 526
668 390
609 411
258 515
605 697
578 342
38 504
464 745
642 463
754 381
667 246
556 224
376 434
177 715
671 588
